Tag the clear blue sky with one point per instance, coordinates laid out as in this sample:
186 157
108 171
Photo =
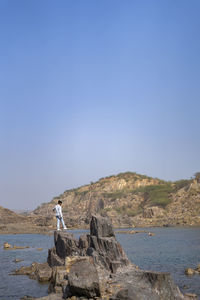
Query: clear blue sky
94 88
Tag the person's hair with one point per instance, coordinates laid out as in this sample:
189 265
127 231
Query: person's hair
59 202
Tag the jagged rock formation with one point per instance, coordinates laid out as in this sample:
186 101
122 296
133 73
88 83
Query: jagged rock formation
101 245
96 267
130 199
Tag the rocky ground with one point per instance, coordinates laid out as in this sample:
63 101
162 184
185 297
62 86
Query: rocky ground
96 267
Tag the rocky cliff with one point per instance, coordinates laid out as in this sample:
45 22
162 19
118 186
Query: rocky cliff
130 199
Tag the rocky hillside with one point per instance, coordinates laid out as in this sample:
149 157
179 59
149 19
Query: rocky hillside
8 216
130 199
11 222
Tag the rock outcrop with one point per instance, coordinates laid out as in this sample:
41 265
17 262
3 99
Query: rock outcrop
42 272
101 245
151 212
190 271
130 200
96 267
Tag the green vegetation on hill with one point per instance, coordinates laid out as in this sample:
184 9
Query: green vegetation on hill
118 194
130 212
156 195
179 184
126 199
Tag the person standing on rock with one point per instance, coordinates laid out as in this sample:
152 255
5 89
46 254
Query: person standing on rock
59 216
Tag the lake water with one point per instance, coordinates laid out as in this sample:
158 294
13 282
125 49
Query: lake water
170 250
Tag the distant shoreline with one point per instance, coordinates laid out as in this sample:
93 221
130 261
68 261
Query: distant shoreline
50 231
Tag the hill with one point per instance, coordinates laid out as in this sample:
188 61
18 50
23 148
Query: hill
8 216
11 222
130 199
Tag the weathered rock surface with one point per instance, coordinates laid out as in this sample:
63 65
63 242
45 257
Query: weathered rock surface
83 279
96 267
145 285
41 272
130 199
190 271
105 250
7 245
151 212
101 227
14 247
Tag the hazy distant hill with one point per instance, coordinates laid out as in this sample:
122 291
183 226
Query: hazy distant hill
131 199
9 216
11 222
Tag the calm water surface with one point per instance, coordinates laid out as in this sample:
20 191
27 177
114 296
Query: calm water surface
170 250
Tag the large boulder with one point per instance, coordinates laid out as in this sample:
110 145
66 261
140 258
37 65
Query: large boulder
66 244
83 278
43 272
53 259
144 285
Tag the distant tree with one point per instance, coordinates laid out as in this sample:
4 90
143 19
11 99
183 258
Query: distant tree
197 176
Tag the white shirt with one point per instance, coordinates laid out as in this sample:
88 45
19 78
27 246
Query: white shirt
58 210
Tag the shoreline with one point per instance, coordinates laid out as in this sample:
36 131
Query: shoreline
118 230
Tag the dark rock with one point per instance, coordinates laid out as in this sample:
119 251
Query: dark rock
101 227
43 272
83 244
107 252
168 225
17 260
162 283
53 259
83 278
141 285
65 244
59 280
